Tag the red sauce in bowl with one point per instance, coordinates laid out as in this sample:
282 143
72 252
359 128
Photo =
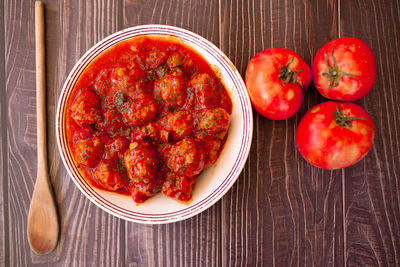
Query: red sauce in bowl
148 115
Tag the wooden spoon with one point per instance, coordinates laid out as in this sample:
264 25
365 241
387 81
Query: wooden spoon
42 219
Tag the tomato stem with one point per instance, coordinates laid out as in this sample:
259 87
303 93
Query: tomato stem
287 75
344 120
334 73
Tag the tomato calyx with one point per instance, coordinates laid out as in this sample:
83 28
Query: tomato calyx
334 73
287 75
344 120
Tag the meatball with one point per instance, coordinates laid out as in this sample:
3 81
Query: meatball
141 162
206 91
186 158
175 60
211 145
128 79
120 78
86 108
148 131
157 132
116 147
139 109
83 133
163 152
111 174
89 151
141 192
113 122
178 187
112 118
155 58
180 123
102 85
214 122
172 90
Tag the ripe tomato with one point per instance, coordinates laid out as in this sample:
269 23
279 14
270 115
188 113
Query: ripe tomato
275 80
344 69
335 135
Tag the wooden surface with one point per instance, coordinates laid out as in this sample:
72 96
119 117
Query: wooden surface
280 212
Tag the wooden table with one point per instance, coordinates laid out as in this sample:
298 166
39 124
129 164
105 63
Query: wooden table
281 211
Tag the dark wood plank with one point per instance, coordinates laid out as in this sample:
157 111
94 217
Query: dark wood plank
196 241
20 95
372 187
200 17
88 235
4 254
282 211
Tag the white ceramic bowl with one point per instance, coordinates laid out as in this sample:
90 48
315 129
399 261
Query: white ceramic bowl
214 182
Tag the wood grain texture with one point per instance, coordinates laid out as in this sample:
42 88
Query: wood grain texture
4 254
196 241
282 211
88 235
20 95
372 190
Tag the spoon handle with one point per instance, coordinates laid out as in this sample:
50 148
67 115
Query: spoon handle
40 85
42 225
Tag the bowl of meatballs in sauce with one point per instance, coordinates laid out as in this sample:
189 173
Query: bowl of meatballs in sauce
154 124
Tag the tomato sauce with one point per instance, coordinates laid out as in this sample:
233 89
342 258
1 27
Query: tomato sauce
148 115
